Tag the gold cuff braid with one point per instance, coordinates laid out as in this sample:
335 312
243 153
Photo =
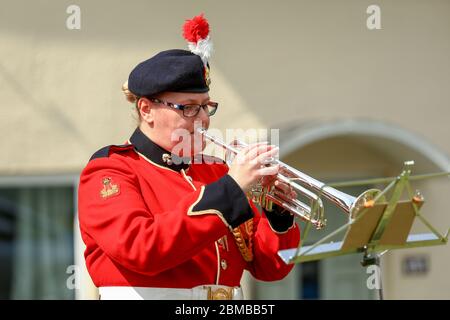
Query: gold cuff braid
243 237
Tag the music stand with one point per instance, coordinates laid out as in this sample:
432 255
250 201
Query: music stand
383 226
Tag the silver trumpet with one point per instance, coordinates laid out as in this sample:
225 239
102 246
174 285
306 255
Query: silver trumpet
300 182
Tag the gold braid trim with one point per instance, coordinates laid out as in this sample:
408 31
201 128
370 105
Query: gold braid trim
243 237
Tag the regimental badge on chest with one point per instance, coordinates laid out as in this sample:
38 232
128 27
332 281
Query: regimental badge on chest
109 188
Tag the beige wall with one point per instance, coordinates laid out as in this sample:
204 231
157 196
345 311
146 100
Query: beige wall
275 62
278 64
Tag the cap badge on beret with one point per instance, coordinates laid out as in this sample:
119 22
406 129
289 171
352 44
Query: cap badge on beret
207 78
196 32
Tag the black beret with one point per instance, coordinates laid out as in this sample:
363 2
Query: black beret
171 70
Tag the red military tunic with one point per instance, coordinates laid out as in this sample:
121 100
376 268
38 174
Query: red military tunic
146 223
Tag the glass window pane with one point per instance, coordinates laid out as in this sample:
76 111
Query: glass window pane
36 242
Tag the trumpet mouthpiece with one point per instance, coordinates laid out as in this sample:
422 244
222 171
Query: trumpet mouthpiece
201 130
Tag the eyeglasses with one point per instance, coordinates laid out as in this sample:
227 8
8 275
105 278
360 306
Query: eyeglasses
190 110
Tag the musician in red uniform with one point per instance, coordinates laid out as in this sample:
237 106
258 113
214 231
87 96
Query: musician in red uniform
160 224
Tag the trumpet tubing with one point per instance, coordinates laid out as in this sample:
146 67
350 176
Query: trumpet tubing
300 182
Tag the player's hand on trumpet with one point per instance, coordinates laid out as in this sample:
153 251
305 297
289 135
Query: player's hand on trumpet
249 165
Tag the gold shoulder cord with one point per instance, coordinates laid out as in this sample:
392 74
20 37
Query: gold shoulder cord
243 237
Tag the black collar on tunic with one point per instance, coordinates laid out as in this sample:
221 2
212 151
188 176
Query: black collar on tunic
156 154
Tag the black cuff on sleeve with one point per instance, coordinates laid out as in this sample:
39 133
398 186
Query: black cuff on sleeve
280 219
226 196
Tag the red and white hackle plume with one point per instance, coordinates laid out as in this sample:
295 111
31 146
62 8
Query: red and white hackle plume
196 32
